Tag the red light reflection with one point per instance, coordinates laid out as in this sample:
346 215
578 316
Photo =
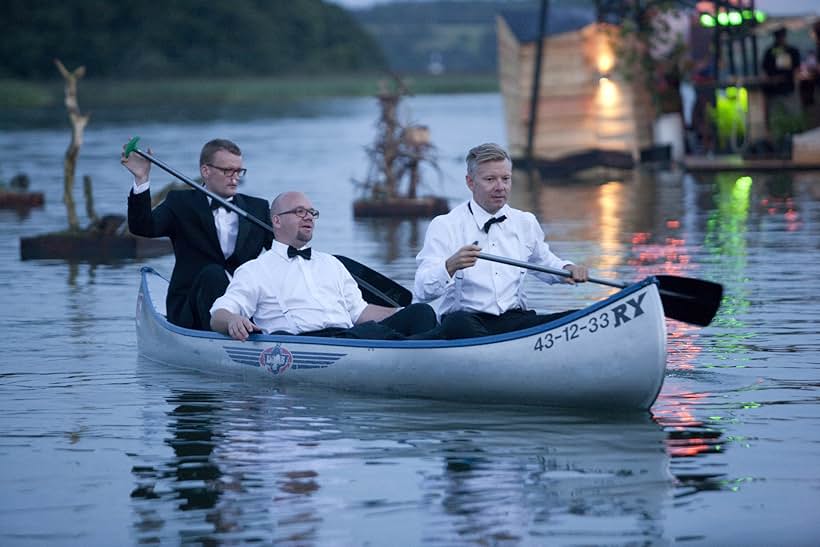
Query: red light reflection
775 206
673 255
686 436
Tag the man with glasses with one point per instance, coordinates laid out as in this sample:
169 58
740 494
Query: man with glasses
210 241
294 290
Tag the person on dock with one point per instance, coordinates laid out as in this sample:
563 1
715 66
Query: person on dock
780 63
480 297
293 289
210 242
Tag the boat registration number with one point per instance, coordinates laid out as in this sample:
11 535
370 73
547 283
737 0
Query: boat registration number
609 319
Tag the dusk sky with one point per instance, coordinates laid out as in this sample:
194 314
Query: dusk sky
775 7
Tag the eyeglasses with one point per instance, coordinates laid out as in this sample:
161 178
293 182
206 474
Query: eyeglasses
300 212
228 172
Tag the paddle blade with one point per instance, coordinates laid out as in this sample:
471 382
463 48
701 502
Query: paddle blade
690 300
376 288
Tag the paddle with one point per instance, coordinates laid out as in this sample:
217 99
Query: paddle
376 288
684 298
385 291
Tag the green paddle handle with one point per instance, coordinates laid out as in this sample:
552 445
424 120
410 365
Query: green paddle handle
131 146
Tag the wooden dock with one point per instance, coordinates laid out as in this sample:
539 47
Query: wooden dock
736 162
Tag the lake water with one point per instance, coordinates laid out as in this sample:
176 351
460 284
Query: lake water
98 447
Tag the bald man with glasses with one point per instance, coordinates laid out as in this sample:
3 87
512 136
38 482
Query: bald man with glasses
293 289
210 242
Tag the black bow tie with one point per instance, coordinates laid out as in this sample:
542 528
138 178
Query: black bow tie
492 221
216 205
293 251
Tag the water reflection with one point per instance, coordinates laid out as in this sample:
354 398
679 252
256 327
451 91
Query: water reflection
301 465
734 418
396 237
19 214
191 477
572 467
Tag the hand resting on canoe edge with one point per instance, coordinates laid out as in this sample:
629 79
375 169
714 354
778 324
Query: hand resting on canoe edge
233 324
239 327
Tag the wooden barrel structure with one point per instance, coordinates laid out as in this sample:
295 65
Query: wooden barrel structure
584 106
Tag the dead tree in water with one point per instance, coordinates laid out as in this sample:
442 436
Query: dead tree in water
398 151
89 200
78 123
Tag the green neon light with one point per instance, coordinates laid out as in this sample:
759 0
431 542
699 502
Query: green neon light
732 18
742 186
729 114
707 20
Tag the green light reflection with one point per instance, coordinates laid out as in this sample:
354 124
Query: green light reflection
726 240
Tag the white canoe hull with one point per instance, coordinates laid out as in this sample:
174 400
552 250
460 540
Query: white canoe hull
611 354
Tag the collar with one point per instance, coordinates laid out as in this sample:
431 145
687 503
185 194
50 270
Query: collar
481 216
229 200
282 249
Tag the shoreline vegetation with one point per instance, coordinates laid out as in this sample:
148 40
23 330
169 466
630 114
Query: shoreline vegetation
25 94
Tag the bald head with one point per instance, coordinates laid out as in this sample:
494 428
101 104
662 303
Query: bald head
284 201
288 227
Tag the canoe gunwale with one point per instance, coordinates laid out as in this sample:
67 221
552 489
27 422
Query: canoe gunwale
553 364
408 344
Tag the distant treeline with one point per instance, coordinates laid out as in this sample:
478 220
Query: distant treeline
183 38
456 36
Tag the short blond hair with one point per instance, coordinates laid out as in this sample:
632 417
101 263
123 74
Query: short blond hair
211 147
483 153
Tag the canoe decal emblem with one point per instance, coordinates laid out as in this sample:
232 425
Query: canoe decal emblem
275 360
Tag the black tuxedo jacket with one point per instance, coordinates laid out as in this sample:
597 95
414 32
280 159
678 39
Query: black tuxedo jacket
186 218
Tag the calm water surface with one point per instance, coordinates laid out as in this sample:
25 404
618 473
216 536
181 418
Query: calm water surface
98 447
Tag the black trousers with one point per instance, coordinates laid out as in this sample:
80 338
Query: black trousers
464 324
410 322
208 285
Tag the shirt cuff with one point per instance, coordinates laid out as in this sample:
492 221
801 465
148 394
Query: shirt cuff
140 188
444 278
226 304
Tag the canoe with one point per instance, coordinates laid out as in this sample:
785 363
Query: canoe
611 354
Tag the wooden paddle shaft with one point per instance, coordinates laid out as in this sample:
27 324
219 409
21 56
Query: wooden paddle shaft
562 273
132 147
694 301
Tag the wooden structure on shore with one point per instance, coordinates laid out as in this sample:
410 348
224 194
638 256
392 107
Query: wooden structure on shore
15 194
394 174
585 111
805 156
20 200
92 247
106 237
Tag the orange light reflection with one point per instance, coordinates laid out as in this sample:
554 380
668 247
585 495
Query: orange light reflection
671 258
687 436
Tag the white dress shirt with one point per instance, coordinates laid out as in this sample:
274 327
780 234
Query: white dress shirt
293 294
226 222
487 287
227 226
